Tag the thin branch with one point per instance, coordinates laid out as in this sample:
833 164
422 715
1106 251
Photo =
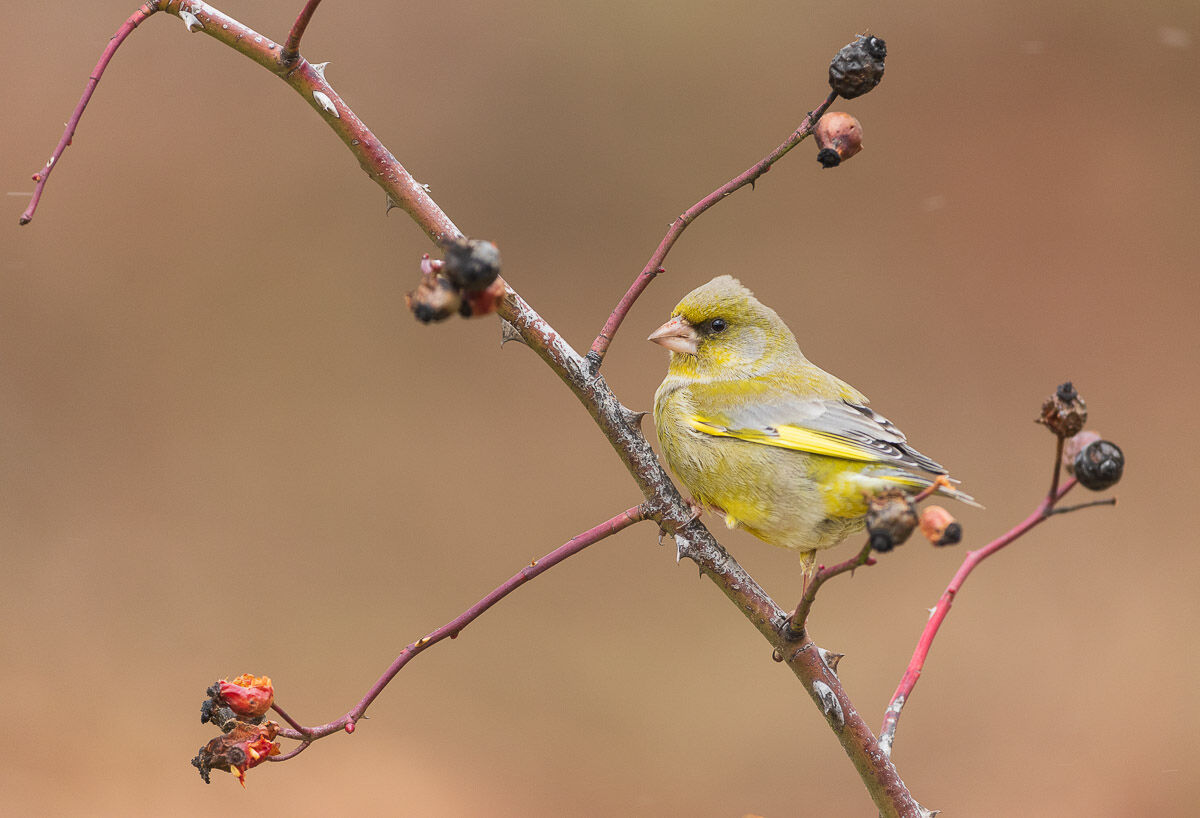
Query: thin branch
308 81
595 355
283 715
1058 465
654 265
291 49
292 753
908 681
455 626
1108 501
135 20
794 629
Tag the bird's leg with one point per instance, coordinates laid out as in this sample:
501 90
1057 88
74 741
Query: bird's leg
794 624
808 567
814 577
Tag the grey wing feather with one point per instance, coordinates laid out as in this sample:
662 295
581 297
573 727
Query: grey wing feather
860 424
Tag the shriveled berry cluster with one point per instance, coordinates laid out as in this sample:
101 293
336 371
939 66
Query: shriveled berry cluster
1096 463
239 709
467 281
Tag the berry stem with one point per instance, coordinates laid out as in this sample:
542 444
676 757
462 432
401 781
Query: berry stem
654 265
793 629
912 673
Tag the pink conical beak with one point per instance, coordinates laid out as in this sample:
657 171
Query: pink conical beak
677 335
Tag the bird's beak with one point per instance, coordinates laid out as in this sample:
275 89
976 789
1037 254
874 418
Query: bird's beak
677 335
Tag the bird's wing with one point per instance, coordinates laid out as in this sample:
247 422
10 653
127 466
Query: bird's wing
833 428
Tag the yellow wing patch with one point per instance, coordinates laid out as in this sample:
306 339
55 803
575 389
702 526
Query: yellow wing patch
796 438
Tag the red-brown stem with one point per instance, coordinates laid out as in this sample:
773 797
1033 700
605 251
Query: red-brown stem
796 622
1058 451
654 265
375 159
283 715
595 355
135 20
887 734
291 49
455 626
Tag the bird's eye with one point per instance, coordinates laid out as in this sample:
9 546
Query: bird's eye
717 324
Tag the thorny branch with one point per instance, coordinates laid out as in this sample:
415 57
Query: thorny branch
305 78
796 622
451 630
41 177
663 504
1065 418
654 264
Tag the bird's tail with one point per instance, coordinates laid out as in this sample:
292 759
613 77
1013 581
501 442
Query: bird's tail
957 494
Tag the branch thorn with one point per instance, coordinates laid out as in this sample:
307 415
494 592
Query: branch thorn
509 333
326 103
190 20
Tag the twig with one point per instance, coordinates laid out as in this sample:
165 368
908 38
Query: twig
794 628
455 626
291 49
654 265
292 753
887 733
283 715
1058 451
1108 501
308 81
135 20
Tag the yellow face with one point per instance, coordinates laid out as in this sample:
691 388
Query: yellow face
722 330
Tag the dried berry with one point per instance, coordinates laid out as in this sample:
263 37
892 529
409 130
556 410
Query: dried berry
243 747
940 527
249 696
471 264
435 299
858 67
891 518
839 136
1064 412
483 302
1099 465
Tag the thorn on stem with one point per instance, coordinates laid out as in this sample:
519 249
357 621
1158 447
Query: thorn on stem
191 21
323 100
830 705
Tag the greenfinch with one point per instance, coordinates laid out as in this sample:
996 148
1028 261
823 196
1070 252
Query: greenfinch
764 437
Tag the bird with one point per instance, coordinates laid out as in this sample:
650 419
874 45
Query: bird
761 435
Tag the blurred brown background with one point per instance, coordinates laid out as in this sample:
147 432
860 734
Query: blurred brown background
226 447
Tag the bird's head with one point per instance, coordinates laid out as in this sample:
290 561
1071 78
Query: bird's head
720 330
